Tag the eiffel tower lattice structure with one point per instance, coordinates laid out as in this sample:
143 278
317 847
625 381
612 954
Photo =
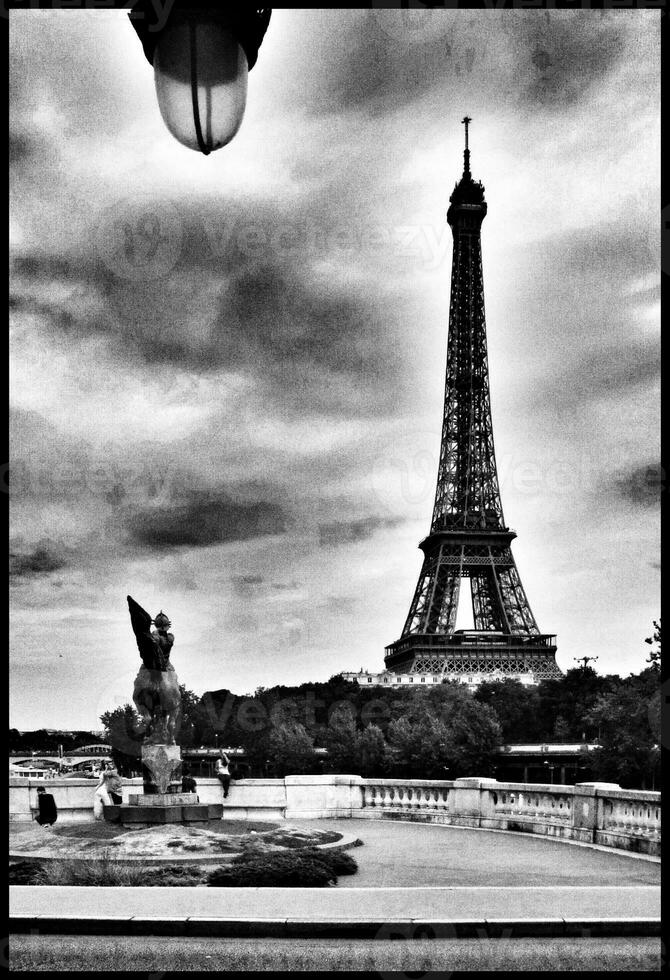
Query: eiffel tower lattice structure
468 536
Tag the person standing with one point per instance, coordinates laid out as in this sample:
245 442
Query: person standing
223 772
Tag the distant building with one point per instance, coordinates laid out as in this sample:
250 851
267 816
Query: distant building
392 678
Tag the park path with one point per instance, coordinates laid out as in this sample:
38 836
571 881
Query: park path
406 854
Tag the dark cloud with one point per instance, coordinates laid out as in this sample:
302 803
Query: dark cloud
375 61
244 585
204 520
45 462
44 558
641 486
602 373
267 310
21 146
594 333
560 55
345 532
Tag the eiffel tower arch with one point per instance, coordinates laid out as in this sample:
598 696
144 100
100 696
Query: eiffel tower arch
468 536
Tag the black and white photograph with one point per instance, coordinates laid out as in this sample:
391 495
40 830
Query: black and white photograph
334 487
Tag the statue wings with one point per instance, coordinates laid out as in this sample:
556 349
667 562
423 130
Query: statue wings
140 620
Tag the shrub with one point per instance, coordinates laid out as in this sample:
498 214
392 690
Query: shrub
23 872
296 870
336 861
174 874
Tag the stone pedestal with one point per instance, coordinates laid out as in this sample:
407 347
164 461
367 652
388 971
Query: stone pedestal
147 815
162 768
161 801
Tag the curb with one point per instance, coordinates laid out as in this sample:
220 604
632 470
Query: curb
344 928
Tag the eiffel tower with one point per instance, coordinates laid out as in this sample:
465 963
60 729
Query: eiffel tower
468 536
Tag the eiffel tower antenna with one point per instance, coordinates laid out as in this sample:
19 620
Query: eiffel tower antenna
466 120
468 536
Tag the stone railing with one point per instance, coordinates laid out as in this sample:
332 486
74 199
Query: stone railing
625 815
543 809
427 799
596 813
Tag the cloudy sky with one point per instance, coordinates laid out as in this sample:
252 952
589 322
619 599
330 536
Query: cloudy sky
227 371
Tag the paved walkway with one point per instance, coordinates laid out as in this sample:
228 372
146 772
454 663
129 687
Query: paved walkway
450 881
415 854
378 912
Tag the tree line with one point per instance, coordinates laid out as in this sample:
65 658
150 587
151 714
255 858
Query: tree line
442 732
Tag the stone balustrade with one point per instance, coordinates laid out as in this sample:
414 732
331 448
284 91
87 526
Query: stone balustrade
598 813
626 814
540 809
403 797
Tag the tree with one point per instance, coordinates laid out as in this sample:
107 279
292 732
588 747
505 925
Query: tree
418 746
629 721
187 724
654 657
123 731
561 730
372 752
340 738
516 706
291 749
570 698
472 737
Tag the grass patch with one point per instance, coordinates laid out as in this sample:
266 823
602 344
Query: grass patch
91 830
101 873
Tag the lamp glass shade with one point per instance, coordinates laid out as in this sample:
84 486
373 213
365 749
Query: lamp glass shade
201 73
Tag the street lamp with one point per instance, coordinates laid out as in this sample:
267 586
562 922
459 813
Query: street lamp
201 54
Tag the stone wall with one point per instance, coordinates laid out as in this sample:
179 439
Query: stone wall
599 813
